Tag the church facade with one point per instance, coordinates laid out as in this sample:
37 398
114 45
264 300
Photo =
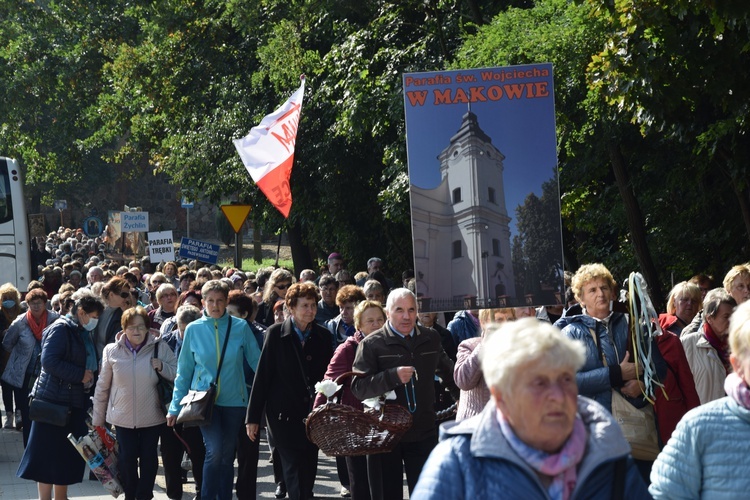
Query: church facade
461 227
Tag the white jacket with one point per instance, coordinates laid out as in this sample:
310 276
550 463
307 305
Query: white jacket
708 370
126 393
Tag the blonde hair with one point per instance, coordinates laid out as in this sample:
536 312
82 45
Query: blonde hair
683 289
526 340
738 270
739 331
362 307
588 272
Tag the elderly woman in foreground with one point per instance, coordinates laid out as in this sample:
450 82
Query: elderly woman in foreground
706 456
536 438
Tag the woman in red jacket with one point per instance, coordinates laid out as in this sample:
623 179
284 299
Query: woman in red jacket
683 303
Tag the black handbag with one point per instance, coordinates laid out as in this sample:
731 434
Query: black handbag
164 387
48 413
197 406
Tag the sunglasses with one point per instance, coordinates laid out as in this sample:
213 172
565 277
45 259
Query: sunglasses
124 295
284 286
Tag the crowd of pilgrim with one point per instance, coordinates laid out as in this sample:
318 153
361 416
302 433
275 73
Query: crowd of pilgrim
527 393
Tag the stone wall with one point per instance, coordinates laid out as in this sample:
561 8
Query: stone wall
154 195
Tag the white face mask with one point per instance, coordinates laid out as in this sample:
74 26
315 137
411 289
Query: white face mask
91 324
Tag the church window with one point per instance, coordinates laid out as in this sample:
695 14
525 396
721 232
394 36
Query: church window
491 195
456 195
457 249
495 247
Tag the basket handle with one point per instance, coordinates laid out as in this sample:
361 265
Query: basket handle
348 374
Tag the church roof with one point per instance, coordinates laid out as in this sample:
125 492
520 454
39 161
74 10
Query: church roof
470 127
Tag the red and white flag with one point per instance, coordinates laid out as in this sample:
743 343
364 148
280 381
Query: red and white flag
268 151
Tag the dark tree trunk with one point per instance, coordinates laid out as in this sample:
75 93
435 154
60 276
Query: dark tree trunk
476 12
742 199
635 224
300 251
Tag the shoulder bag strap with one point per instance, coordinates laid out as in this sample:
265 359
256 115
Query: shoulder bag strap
223 350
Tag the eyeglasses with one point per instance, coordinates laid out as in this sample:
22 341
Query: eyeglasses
156 283
284 286
124 295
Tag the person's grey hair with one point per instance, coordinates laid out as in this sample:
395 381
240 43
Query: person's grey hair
157 274
372 286
187 314
75 272
307 274
94 270
372 260
163 288
215 286
96 288
398 294
507 348
713 301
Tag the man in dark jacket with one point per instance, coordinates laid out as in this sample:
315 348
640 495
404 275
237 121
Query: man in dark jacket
403 357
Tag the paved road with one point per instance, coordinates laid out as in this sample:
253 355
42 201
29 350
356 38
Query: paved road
14 488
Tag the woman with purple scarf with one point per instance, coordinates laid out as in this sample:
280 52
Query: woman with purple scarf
706 457
536 438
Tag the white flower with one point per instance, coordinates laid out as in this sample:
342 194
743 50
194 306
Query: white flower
376 402
327 388
373 403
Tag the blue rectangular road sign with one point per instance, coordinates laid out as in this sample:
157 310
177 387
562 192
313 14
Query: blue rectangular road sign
199 250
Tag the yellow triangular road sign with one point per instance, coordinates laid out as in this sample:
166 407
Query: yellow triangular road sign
236 215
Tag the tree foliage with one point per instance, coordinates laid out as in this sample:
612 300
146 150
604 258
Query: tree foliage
656 89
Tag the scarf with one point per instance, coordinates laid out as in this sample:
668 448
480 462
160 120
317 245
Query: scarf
721 347
37 327
738 390
561 466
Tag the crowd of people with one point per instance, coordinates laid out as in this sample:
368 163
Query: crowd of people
529 393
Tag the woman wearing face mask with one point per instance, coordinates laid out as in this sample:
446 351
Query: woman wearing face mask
11 308
68 364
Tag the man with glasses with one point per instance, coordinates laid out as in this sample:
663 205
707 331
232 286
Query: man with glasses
327 308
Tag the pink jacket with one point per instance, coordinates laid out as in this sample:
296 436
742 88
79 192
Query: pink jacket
126 393
469 378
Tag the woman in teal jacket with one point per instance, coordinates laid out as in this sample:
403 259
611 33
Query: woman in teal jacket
197 369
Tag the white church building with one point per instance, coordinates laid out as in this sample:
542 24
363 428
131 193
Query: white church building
461 228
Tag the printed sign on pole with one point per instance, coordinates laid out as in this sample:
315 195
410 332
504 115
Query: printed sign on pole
160 246
199 250
134 222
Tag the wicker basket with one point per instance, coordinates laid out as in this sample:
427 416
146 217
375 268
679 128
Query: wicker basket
341 430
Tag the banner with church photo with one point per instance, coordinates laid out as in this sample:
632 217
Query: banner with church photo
485 199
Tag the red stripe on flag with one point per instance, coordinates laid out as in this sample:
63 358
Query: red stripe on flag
275 185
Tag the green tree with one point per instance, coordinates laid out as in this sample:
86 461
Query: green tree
539 234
